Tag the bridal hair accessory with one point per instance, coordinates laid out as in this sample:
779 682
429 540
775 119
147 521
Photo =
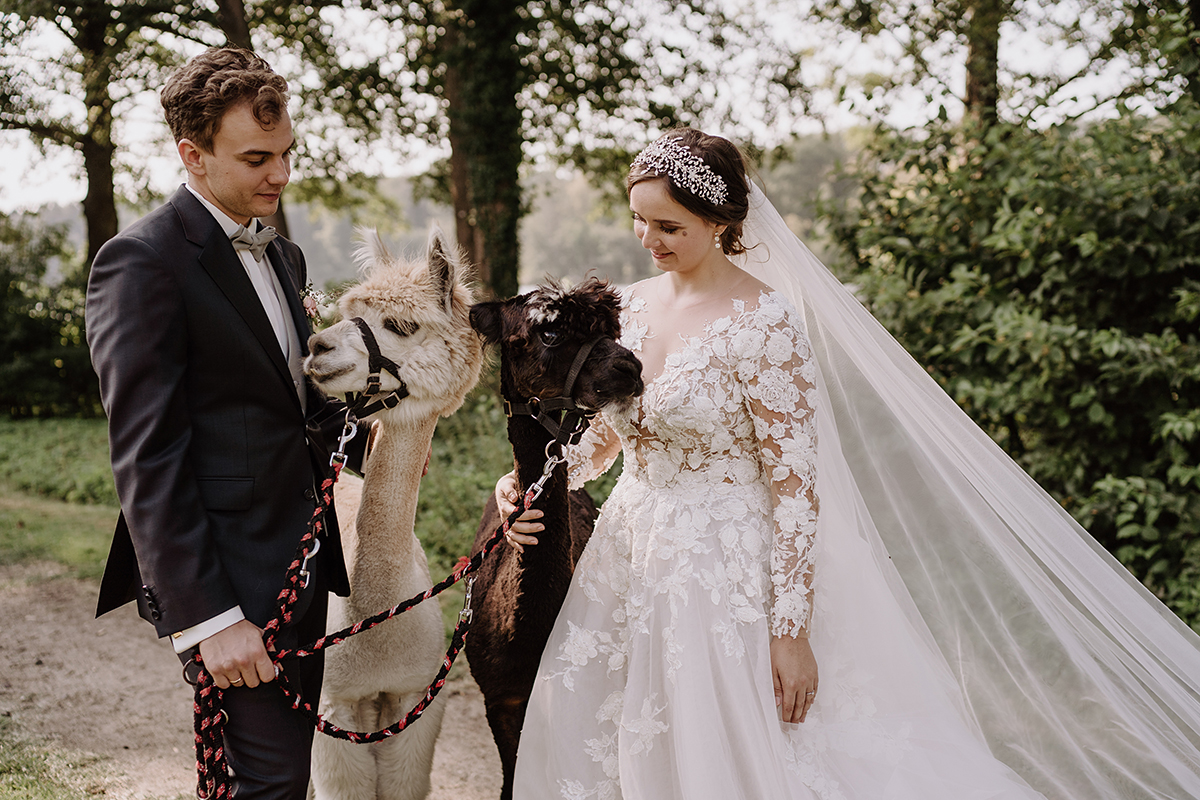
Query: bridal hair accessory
256 243
667 157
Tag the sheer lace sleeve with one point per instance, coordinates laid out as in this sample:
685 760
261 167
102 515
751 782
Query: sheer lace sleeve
595 453
781 399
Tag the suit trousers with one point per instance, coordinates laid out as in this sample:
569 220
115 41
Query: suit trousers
268 744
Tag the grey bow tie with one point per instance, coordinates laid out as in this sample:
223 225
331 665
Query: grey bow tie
256 243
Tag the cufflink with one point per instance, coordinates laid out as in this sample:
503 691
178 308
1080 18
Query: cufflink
177 635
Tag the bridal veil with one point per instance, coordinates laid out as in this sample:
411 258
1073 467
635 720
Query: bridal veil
1073 673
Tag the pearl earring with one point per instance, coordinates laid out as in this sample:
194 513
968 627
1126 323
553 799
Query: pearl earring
717 241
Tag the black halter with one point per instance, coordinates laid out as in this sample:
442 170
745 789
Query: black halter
561 416
365 403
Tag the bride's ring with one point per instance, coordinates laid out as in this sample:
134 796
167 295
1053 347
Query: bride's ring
810 692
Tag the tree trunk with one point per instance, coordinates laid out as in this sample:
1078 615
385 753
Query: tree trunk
983 20
96 144
491 82
232 16
466 232
100 203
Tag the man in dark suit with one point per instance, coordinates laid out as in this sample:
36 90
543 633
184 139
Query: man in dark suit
197 331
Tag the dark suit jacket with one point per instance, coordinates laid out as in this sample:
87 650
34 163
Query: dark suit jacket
214 462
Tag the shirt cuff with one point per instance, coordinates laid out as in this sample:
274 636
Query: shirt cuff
190 637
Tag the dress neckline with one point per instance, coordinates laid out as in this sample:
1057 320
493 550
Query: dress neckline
705 333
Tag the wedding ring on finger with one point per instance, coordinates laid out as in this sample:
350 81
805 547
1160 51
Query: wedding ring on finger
237 682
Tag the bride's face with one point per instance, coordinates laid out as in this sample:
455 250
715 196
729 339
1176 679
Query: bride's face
678 240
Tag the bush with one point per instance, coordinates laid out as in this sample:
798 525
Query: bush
1048 279
45 369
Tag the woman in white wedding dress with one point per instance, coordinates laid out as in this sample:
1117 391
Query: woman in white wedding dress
739 551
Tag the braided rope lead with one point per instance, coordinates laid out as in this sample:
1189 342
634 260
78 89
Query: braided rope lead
213 782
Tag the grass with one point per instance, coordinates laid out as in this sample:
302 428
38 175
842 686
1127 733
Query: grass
57 501
29 771
66 459
34 528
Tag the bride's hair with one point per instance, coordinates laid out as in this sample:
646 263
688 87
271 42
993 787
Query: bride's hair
725 160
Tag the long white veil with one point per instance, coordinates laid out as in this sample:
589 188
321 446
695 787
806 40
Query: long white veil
1075 675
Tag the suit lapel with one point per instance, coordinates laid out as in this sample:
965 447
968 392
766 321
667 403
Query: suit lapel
287 273
220 261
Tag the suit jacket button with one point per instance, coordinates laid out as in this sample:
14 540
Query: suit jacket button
309 494
151 603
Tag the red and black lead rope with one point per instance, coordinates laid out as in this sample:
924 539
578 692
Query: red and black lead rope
212 769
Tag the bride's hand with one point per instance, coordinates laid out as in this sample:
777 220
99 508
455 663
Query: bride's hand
794 673
507 495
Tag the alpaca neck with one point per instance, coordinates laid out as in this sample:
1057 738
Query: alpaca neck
529 441
387 550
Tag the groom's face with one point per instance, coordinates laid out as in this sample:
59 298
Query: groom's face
248 166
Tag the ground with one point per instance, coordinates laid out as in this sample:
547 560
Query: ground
107 698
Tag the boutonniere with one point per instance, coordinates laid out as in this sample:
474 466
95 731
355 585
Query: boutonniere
313 299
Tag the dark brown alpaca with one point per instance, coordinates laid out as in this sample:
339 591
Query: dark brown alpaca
518 595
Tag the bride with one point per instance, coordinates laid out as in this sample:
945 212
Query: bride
816 577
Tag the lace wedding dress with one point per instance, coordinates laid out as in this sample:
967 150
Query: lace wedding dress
656 682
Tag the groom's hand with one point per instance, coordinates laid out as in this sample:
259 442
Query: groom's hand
237 656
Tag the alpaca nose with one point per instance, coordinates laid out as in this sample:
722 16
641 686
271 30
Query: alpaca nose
632 367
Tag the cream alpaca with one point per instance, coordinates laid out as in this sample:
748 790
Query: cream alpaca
419 315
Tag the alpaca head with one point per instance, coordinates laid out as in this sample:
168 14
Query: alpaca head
540 332
418 313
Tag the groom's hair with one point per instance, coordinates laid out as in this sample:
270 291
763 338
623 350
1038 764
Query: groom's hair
198 95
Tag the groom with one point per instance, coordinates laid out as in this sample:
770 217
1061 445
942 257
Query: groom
197 331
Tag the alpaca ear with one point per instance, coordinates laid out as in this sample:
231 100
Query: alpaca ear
485 319
441 267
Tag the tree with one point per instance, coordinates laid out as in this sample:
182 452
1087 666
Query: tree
113 52
1129 41
505 82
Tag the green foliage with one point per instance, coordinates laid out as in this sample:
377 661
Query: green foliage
1147 49
63 459
1048 281
470 452
45 368
501 81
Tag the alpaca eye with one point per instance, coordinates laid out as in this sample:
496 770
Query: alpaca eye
401 328
550 338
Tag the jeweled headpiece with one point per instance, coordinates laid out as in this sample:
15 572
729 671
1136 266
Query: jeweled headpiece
686 170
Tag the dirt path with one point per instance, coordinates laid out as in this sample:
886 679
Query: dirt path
108 694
